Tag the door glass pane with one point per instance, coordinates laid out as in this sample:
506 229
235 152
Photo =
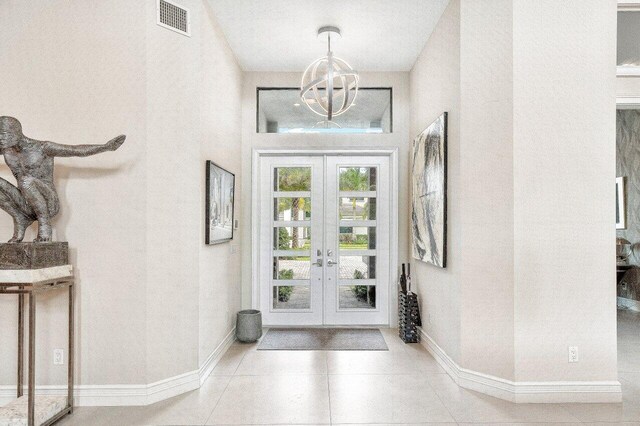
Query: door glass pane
292 179
357 178
292 238
291 268
291 297
357 237
357 208
357 297
291 208
357 267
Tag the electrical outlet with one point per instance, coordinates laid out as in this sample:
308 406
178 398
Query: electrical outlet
573 354
58 356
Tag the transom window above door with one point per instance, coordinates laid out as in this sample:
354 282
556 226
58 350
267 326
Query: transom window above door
280 110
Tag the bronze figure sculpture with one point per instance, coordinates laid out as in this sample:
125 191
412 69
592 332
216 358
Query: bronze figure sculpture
31 162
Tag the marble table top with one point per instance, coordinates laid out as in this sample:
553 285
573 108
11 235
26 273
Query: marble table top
46 407
27 276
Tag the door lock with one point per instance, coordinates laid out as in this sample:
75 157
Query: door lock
318 261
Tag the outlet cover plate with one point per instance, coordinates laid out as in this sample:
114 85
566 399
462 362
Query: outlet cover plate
58 356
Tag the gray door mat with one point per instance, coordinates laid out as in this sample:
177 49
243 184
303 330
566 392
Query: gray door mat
323 339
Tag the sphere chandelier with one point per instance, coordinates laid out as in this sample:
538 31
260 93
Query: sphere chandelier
329 85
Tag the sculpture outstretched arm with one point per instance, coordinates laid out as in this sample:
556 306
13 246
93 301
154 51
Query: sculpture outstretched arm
60 150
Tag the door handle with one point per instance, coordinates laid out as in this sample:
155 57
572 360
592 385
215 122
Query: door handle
331 262
318 262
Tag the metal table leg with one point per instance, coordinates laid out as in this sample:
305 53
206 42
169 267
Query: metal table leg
22 290
20 344
32 359
71 349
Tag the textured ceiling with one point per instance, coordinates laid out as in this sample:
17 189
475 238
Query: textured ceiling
280 35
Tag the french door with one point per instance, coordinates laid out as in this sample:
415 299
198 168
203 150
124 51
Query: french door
324 238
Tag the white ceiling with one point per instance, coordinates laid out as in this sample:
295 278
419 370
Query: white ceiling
280 35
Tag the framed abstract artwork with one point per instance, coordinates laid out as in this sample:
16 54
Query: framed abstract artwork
429 194
220 189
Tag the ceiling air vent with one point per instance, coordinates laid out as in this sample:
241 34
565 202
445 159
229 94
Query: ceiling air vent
174 17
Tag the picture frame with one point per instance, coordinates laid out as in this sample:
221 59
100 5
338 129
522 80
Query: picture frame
621 205
429 194
219 204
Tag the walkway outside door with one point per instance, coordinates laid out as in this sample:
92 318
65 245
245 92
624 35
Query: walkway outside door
324 239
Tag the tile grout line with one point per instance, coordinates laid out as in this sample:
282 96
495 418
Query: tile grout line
227 385
244 354
564 408
219 399
326 362
442 402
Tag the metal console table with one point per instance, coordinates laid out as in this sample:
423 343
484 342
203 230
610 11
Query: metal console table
31 283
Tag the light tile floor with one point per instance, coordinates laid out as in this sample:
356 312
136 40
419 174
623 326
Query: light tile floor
402 386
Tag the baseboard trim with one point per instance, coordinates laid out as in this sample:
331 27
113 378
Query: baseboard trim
632 305
523 392
212 360
134 395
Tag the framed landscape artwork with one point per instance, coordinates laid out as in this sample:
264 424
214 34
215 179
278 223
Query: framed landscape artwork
429 194
219 204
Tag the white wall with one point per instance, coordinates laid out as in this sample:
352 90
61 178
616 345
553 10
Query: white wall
153 300
173 204
465 69
252 140
435 88
73 82
564 169
530 226
220 85
486 169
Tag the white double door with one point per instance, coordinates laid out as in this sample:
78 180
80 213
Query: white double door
324 240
